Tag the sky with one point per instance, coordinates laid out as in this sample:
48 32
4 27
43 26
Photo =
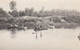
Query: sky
38 4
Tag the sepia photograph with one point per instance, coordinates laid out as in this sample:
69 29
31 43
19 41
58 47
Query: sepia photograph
39 24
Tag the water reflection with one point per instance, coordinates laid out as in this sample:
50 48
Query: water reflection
13 33
37 33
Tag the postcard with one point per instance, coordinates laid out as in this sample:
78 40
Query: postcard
39 25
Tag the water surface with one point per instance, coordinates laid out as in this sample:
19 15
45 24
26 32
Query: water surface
55 39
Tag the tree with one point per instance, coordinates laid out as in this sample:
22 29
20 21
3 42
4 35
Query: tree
14 11
27 12
3 13
41 12
21 13
31 11
12 5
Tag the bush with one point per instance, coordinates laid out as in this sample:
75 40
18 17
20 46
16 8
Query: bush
4 13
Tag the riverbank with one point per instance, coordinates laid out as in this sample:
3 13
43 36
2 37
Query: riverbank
32 22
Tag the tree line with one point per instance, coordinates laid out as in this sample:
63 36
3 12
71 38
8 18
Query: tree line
40 13
68 15
43 13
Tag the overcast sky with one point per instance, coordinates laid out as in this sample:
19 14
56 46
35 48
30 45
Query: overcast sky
47 4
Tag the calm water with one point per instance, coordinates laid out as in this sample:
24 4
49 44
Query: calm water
56 39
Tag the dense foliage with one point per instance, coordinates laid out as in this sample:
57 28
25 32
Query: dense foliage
4 13
42 18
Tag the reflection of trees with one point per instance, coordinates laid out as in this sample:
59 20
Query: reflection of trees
13 33
36 33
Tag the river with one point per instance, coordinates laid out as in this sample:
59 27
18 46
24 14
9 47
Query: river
52 39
